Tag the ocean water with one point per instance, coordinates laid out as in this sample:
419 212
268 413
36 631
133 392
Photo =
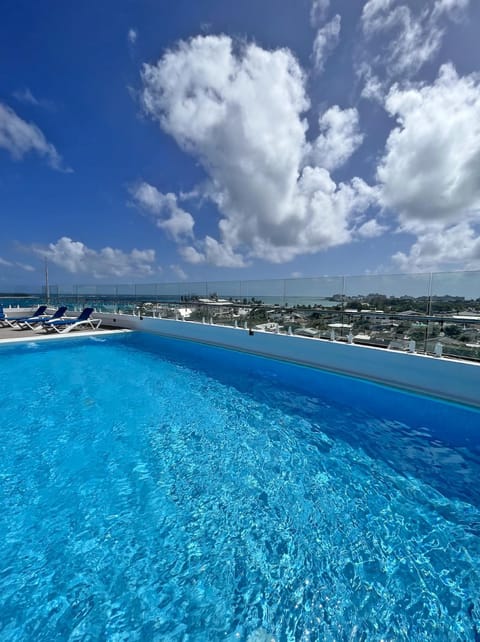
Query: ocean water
153 489
19 302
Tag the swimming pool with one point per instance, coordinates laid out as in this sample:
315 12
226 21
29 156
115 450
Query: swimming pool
154 489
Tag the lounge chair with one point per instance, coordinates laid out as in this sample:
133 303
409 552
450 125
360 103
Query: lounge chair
69 324
31 322
11 322
3 319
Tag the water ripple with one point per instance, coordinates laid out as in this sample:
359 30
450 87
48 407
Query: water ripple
143 498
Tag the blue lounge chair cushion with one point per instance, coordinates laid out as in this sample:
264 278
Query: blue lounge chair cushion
58 314
85 314
40 311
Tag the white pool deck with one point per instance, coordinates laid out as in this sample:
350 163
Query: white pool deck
15 335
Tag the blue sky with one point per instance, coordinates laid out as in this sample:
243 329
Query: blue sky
158 141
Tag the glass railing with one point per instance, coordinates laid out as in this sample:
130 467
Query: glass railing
436 313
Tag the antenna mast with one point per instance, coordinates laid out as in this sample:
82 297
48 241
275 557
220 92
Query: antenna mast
47 289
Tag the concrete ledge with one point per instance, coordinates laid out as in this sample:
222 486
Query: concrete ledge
77 334
449 379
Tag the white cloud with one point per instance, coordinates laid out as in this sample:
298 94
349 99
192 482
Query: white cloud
414 40
132 36
178 224
239 111
405 38
430 168
429 173
148 197
443 247
179 272
373 88
454 9
213 252
371 229
25 266
77 258
191 255
339 137
374 14
326 40
20 138
221 254
26 96
318 11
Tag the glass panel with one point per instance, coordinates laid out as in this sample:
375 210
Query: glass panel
456 303
321 291
185 289
431 313
230 290
406 287
268 291
21 295
455 291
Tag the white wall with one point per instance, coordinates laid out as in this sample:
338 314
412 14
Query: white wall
447 378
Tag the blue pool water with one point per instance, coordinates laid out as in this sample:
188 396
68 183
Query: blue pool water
159 490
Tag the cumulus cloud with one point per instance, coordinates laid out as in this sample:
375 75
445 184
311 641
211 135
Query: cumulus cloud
164 207
326 40
430 168
179 272
239 111
429 175
77 258
371 229
213 252
339 137
373 88
191 255
318 11
221 254
443 247
405 37
20 138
